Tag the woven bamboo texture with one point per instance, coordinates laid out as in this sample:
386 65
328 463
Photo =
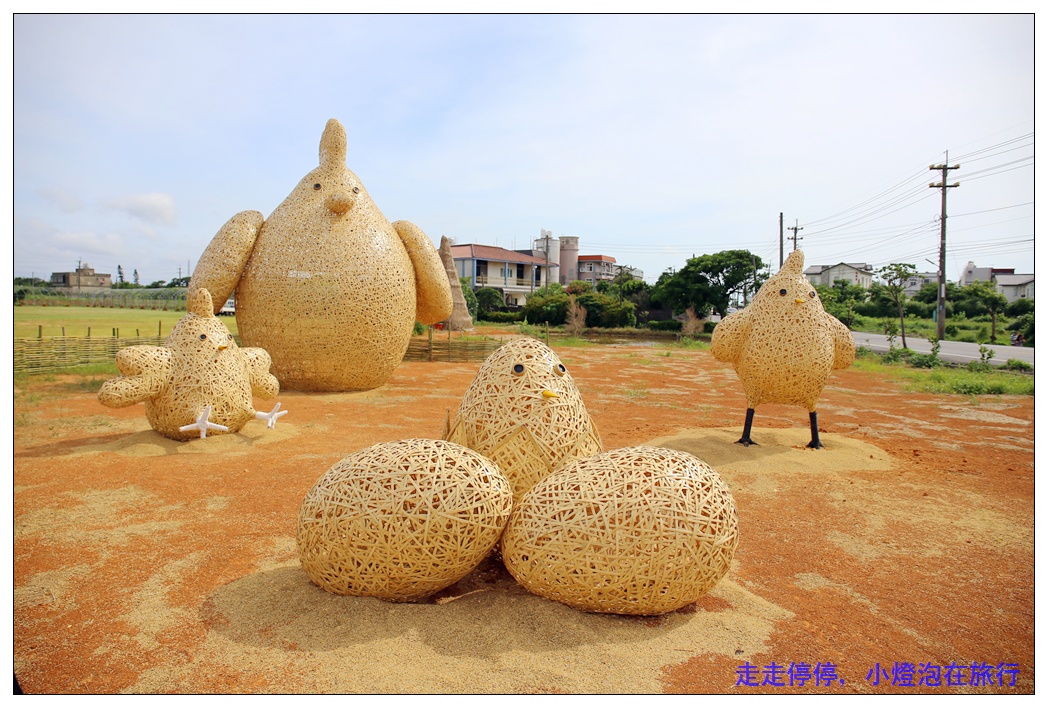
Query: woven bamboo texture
784 344
330 288
198 366
401 520
460 319
638 530
524 412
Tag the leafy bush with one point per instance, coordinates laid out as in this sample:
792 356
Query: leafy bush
1014 364
470 297
503 317
1019 307
548 304
665 325
709 326
918 360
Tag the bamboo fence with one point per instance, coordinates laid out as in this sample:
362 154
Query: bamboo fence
49 354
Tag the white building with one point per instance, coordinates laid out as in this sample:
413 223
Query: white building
860 274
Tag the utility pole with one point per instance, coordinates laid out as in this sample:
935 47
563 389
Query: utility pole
794 229
781 239
944 168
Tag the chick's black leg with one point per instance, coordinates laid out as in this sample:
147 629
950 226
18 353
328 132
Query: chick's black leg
816 442
746 440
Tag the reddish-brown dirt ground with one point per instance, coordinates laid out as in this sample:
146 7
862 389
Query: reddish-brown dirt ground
146 565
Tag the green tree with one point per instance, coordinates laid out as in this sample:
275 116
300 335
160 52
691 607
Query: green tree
179 282
895 276
547 304
928 293
709 281
840 299
119 273
134 277
579 287
1015 309
488 299
157 283
994 302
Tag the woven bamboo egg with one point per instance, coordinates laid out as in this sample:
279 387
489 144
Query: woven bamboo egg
401 520
199 381
637 530
524 412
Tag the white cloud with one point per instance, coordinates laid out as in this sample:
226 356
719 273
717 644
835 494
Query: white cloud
62 199
152 208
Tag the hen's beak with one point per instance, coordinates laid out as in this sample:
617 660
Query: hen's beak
800 300
549 394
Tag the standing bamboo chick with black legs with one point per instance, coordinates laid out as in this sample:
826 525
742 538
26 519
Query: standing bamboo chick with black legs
783 346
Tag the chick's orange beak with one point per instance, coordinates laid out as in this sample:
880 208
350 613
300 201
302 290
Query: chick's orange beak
800 300
549 394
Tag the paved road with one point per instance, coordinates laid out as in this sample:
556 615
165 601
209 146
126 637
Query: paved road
953 351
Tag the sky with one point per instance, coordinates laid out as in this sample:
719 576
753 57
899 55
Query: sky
652 138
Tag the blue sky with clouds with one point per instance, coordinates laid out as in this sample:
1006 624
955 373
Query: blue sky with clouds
652 138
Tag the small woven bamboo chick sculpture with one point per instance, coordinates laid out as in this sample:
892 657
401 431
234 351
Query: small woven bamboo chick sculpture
401 520
326 284
637 530
198 381
523 412
784 345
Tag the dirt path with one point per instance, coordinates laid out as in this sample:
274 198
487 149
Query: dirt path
145 565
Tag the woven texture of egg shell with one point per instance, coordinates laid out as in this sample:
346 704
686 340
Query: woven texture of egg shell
199 365
401 520
326 284
637 530
782 349
524 412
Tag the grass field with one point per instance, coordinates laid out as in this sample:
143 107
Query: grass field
31 321
959 381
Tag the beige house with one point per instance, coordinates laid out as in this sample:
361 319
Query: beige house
516 274
860 274
593 268
1014 287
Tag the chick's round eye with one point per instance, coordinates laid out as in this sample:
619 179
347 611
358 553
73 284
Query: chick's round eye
316 186
560 369
356 190
783 292
203 336
518 369
811 293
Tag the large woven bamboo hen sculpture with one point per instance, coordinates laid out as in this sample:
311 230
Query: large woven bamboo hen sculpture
198 382
326 284
401 520
784 345
524 412
637 530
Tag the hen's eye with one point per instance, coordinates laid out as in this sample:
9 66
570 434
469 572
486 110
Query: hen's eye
783 292
316 186
518 369
356 190
203 336
560 369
